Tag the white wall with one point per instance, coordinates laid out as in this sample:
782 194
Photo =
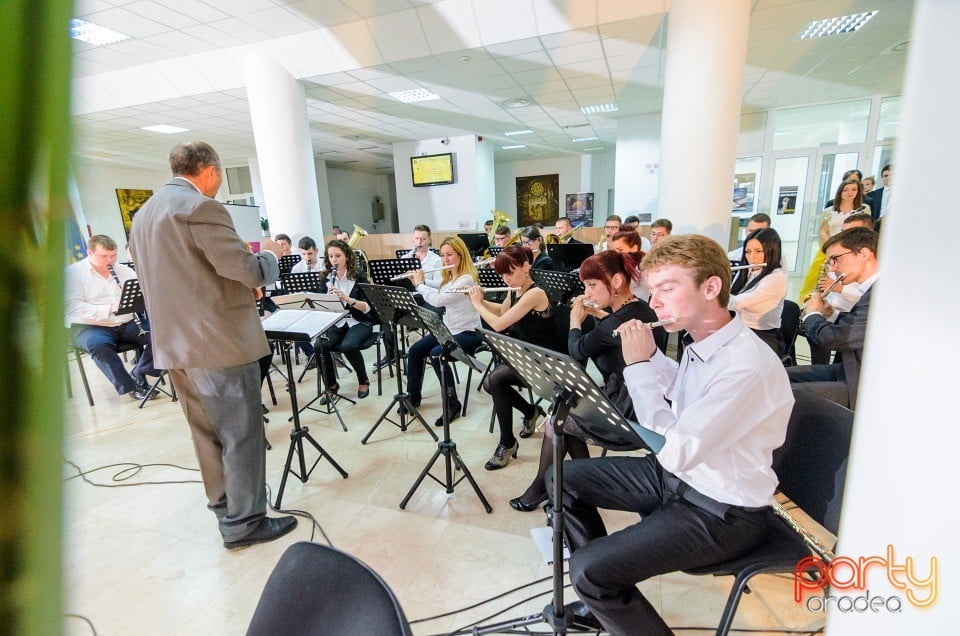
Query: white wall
575 176
351 194
638 165
98 185
458 206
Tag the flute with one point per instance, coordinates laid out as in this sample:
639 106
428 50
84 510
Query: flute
466 290
652 325
486 261
737 268
426 271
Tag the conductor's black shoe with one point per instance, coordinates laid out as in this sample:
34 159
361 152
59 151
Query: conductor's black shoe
582 615
270 528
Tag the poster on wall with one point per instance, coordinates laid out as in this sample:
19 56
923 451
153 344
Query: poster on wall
538 200
130 203
744 186
580 207
787 199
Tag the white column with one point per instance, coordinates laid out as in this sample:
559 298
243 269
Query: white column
278 113
703 82
901 485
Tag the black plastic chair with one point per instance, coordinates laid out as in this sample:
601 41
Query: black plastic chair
811 466
789 330
78 354
315 590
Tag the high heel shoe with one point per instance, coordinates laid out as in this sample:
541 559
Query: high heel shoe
502 456
519 504
530 423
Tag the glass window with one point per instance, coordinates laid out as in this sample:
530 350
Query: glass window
786 205
889 124
746 181
829 124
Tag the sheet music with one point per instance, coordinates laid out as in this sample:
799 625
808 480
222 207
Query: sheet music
307 322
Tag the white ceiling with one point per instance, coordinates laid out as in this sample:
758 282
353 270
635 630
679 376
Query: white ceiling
183 67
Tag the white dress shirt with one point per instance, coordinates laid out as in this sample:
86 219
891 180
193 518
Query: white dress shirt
461 315
345 285
89 297
430 261
302 268
731 401
761 305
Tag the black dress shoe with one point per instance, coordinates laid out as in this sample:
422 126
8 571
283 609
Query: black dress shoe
519 504
362 393
454 410
270 528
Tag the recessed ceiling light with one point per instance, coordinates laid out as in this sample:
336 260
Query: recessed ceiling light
836 26
593 148
517 132
572 126
165 129
414 95
513 147
577 140
517 102
599 108
94 33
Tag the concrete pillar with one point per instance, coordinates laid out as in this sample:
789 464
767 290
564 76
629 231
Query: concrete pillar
703 83
284 150
903 466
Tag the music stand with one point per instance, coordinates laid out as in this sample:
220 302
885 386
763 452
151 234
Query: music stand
293 325
449 349
476 242
495 250
132 302
302 282
287 262
394 304
561 380
561 287
568 256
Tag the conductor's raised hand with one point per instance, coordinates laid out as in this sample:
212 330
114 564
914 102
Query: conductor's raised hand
636 341
269 245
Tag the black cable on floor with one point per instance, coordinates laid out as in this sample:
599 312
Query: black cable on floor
129 470
86 620
483 602
315 525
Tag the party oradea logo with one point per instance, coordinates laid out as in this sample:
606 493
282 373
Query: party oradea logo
851 576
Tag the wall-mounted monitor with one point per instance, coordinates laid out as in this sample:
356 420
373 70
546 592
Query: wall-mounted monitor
431 170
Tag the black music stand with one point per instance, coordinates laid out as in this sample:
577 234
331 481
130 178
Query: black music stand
568 256
394 304
132 302
561 287
303 326
476 242
381 271
287 262
449 349
561 380
302 282
494 250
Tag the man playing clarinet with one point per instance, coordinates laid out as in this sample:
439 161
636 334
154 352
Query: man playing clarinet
93 288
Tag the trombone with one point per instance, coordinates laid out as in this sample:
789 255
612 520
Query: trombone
554 239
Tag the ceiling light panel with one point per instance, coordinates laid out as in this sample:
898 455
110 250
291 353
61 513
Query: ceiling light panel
414 95
599 108
165 129
513 147
94 33
836 26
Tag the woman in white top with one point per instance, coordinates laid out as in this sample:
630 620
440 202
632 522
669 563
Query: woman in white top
757 293
460 318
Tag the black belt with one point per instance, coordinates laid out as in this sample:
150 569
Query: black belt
691 495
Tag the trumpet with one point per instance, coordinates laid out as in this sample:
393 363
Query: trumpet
823 294
426 271
652 325
466 290
737 268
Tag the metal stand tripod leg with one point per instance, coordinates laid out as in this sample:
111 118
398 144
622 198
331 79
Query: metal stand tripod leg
332 396
407 409
448 448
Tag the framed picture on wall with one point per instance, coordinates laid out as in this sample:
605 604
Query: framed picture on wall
538 199
130 203
580 207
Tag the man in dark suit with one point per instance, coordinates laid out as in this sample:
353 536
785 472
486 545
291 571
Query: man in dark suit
877 197
852 252
564 226
198 278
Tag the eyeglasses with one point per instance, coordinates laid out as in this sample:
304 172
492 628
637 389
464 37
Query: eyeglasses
833 260
611 227
526 242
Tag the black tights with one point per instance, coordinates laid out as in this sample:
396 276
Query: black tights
576 449
500 383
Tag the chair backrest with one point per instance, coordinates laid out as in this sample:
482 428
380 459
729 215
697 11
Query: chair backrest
315 589
812 462
790 328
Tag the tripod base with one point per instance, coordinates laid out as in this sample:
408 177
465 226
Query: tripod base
452 458
407 410
329 407
297 436
156 388
569 623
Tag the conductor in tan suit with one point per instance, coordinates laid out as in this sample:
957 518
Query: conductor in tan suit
197 277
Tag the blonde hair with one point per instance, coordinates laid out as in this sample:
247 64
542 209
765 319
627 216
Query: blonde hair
466 265
700 254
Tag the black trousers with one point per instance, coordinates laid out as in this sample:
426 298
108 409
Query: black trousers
673 535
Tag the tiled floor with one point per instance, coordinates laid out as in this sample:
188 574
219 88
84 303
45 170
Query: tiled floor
148 559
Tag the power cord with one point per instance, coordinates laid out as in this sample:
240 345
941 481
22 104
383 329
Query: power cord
483 602
86 620
129 470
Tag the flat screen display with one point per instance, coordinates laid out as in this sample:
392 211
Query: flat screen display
431 170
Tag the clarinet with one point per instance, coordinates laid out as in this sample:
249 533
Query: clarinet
136 316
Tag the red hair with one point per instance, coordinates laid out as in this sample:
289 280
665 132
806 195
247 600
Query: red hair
511 257
604 265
